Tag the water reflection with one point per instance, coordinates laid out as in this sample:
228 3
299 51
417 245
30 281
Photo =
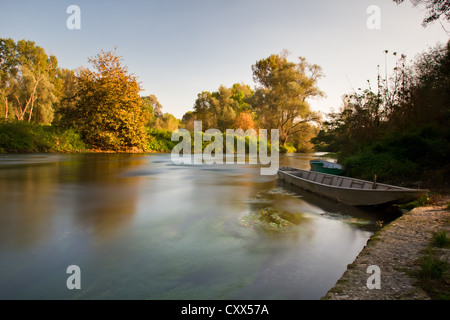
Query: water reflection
367 218
27 205
102 201
142 228
86 190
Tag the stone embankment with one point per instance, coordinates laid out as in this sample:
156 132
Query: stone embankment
396 250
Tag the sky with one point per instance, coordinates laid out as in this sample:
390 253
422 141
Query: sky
179 48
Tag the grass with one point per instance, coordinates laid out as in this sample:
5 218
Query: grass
440 240
20 136
431 267
427 200
433 276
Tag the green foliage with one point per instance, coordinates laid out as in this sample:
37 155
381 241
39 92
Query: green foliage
288 149
109 113
220 109
432 267
66 140
440 239
160 140
281 98
400 131
426 200
19 136
28 82
433 277
279 102
167 122
407 156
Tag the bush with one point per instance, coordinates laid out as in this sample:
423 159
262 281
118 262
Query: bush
407 156
366 163
66 140
160 140
432 268
288 149
20 136
440 239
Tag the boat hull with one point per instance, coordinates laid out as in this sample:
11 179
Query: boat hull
367 195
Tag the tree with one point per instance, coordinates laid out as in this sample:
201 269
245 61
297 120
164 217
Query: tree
66 89
8 70
302 139
221 108
187 121
204 110
241 94
436 9
281 97
167 122
401 130
27 81
244 121
153 108
109 113
224 107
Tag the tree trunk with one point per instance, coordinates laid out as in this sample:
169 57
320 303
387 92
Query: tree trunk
32 98
5 99
283 140
30 103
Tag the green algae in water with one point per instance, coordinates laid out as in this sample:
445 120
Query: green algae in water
348 219
272 220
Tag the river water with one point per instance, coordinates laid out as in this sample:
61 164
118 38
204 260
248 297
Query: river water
140 227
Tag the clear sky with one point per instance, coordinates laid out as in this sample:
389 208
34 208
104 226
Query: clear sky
179 48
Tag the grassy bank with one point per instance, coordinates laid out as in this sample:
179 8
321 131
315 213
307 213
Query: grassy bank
160 141
414 157
22 137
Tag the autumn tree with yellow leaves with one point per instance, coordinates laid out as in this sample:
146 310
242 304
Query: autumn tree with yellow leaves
109 113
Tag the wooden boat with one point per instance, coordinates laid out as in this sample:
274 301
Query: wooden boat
347 190
326 167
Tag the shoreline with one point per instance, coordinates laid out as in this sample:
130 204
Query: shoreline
396 250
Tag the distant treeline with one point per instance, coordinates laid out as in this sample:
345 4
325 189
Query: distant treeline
104 107
399 130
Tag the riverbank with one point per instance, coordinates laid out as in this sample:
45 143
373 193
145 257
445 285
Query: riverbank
397 250
23 137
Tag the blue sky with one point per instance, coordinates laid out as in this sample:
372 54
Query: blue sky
178 49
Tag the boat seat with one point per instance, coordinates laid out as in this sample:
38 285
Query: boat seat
328 180
346 183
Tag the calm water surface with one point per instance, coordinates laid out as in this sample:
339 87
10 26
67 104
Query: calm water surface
140 227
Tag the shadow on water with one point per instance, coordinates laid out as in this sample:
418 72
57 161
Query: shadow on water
38 190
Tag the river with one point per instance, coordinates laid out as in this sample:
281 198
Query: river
140 227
